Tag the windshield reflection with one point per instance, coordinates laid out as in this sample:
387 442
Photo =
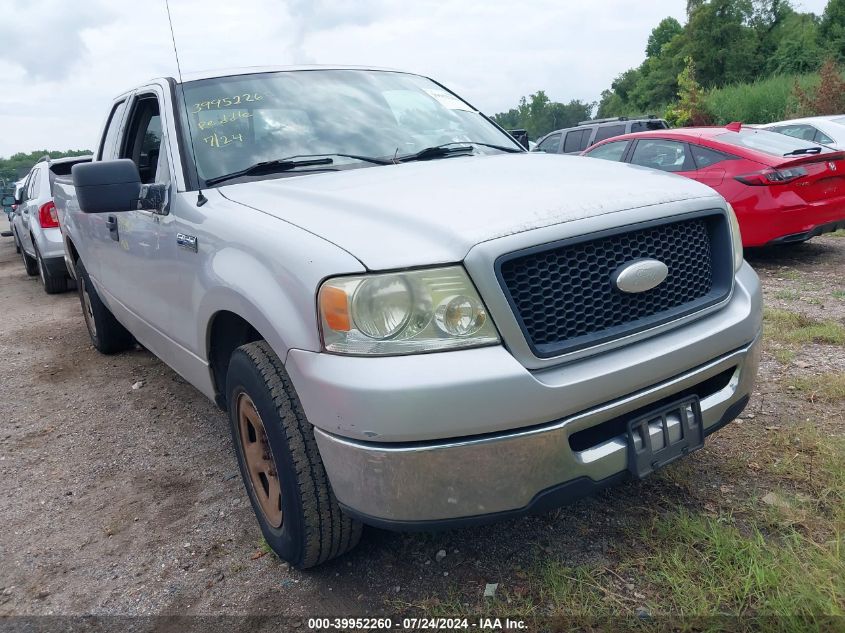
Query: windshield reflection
242 120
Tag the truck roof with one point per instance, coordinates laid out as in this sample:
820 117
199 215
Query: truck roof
252 70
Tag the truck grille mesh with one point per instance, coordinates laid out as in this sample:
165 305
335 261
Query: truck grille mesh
564 298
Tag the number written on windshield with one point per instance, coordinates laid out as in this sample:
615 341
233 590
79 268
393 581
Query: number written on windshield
226 102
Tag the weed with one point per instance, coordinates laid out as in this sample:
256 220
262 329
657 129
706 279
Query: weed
792 327
824 387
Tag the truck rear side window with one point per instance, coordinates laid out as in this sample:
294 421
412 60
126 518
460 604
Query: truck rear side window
112 128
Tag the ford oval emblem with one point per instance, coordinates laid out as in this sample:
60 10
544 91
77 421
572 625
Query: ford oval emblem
639 275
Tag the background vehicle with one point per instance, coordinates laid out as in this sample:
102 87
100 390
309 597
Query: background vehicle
448 334
574 140
36 223
824 130
783 189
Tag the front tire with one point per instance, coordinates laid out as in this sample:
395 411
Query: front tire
108 336
280 463
52 284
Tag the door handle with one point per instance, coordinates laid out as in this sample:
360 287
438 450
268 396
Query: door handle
111 222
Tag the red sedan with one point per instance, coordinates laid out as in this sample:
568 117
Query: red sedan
783 189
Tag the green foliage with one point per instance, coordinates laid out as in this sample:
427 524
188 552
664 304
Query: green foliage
798 49
538 115
690 107
731 42
18 165
761 101
723 45
661 35
832 29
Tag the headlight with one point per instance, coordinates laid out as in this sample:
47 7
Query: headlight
403 313
736 238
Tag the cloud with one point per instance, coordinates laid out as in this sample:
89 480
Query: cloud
63 61
45 37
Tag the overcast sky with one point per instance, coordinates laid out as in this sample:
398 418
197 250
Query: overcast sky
62 61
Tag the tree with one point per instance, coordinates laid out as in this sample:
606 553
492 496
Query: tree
690 108
832 29
725 48
539 115
661 35
797 49
18 165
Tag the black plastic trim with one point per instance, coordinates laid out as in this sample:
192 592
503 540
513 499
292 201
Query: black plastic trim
722 282
544 501
830 227
55 266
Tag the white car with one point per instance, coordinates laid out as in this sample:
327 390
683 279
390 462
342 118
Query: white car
35 223
825 130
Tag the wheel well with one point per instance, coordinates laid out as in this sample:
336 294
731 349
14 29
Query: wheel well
74 254
227 333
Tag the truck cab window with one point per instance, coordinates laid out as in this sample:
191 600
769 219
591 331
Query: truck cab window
143 140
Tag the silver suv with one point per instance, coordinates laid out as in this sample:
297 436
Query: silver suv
574 140
412 322
35 223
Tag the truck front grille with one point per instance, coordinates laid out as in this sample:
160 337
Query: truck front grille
563 296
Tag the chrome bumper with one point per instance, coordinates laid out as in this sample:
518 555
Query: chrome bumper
424 484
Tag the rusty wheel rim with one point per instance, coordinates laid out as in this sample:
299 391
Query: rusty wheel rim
260 465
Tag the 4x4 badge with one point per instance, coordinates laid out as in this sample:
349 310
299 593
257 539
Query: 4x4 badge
832 166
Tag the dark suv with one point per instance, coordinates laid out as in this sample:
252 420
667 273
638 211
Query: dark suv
574 140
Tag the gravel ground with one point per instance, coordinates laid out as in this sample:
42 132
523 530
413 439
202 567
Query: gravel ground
117 500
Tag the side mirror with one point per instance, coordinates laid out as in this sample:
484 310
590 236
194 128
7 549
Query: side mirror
8 201
521 137
107 186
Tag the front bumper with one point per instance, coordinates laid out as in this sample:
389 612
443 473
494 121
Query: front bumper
428 485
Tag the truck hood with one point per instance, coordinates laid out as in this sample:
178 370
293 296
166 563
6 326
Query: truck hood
434 212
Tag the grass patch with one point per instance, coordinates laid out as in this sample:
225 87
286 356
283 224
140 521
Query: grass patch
762 101
838 294
787 295
707 566
784 355
782 560
792 327
824 387
837 233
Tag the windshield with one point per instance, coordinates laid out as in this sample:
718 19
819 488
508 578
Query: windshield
239 121
768 142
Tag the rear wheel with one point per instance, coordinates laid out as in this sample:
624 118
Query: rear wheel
53 284
280 463
107 334
30 263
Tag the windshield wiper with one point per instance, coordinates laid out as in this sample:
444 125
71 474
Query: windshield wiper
504 148
438 151
270 167
449 149
804 150
366 159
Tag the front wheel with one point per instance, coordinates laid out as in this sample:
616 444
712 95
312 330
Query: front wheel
108 336
280 463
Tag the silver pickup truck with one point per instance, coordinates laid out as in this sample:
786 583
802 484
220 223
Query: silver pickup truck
412 322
